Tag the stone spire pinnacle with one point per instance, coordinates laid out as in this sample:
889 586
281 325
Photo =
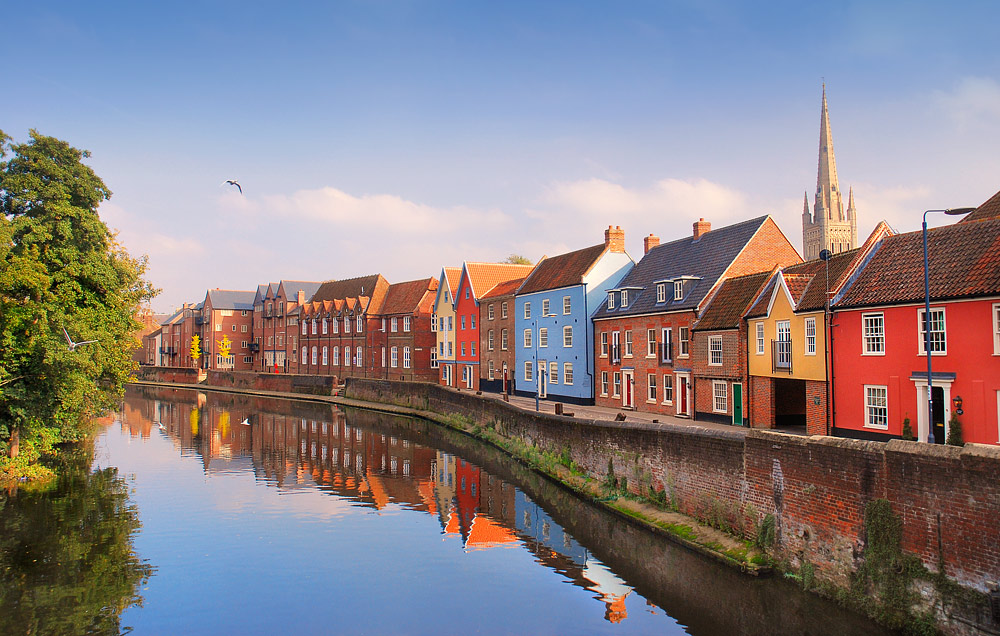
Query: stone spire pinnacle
827 189
850 203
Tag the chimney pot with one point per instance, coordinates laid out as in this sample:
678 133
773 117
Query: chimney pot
614 239
649 243
701 226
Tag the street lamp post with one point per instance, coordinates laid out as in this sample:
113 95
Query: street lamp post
927 319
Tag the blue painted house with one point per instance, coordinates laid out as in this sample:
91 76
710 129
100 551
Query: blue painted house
553 335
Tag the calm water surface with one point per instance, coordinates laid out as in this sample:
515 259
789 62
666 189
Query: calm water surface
310 520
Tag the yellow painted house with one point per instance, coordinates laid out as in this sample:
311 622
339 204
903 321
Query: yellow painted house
443 323
787 335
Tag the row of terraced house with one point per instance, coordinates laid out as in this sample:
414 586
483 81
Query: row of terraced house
726 325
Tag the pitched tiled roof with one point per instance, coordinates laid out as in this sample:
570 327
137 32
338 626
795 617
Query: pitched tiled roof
964 261
504 289
373 285
728 305
563 270
292 288
405 298
705 259
988 210
485 276
807 282
229 299
453 274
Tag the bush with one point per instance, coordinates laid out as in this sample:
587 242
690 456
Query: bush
955 432
908 431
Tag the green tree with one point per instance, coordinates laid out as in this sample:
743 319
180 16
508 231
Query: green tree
517 259
955 437
60 268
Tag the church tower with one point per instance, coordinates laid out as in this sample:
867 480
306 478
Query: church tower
828 226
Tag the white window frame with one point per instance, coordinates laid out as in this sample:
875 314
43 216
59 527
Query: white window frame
996 329
567 305
568 336
315 354
361 324
935 351
490 370
406 357
393 324
667 333
336 325
604 344
684 338
876 415
336 356
347 324
546 306
616 384
678 290
305 328
668 388
489 314
407 323
650 343
434 358
526 341
720 396
529 375
305 355
810 334
715 351
503 340
503 309
359 359
567 373
489 340
611 300
326 326
553 372
661 292
760 337
543 337
870 336
651 388
394 357
604 383
527 310
628 344
624 298
326 356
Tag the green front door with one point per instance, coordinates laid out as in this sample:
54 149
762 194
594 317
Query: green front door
737 404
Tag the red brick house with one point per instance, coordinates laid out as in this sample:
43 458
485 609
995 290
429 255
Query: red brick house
476 279
275 321
226 316
175 337
336 330
496 333
719 353
643 332
404 342
880 362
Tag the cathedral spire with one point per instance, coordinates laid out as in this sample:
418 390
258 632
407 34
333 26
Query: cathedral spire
850 204
827 189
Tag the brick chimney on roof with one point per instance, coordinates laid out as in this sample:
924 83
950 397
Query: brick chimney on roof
649 243
301 298
614 239
701 226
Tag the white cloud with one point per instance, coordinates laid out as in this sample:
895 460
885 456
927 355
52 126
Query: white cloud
974 102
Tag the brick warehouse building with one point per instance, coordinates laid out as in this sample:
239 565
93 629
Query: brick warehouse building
719 352
643 330
336 327
226 314
496 332
275 318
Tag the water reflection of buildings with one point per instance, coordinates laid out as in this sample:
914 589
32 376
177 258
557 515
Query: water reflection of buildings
297 444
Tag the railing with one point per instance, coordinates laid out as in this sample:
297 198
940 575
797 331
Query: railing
666 352
781 355
616 354
254 347
200 321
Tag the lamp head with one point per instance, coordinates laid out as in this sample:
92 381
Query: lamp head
958 211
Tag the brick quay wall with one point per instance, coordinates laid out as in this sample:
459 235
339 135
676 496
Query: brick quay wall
817 488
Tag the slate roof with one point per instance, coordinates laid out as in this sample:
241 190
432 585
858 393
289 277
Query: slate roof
229 299
292 288
705 258
731 301
964 262
485 276
405 298
507 288
988 210
372 285
564 270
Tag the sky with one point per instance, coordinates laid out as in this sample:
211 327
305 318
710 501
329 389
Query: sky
403 136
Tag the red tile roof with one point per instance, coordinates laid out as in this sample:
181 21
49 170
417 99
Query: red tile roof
964 262
504 289
453 274
563 270
405 298
486 276
731 301
372 286
988 210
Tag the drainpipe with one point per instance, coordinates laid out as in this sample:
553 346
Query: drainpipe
588 326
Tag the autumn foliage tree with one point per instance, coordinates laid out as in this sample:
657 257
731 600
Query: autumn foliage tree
60 268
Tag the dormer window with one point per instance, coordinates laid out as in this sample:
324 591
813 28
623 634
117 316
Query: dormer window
661 292
678 290
624 298
611 300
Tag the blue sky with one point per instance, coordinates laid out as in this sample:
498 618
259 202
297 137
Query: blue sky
403 136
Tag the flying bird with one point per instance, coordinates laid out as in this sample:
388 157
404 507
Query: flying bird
235 183
74 345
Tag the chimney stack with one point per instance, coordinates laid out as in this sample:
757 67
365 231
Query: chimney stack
701 226
649 243
614 239
301 298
